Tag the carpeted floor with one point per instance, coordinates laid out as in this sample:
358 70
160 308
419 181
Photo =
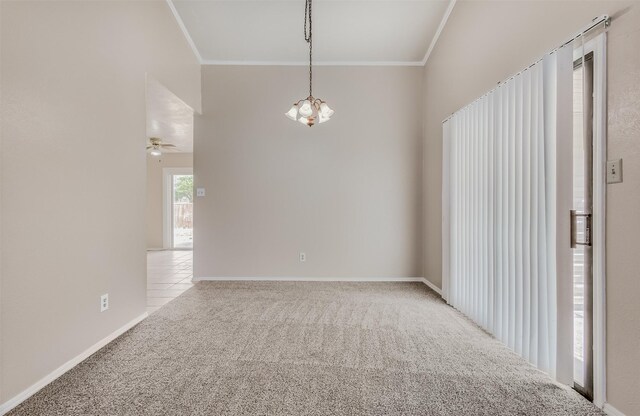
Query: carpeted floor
287 348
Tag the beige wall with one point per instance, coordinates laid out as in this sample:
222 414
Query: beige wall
73 171
346 192
623 222
154 192
483 43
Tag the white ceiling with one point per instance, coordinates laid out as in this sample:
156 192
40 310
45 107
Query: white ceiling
352 32
169 118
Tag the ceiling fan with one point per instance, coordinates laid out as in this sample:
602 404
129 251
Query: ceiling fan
156 146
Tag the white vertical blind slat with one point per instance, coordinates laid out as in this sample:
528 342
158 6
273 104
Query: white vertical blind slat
518 277
506 255
549 309
491 215
512 215
526 215
535 195
476 212
484 240
500 215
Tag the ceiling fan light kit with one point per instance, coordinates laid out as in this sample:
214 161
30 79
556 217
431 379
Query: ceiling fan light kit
309 110
155 146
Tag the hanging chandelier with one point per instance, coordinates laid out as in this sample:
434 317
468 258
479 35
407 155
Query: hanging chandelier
309 110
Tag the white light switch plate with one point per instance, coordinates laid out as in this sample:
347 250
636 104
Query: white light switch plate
200 192
614 171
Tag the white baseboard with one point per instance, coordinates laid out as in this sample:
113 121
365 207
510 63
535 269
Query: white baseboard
320 279
432 286
611 411
309 279
30 391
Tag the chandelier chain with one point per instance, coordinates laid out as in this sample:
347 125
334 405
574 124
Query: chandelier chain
309 110
308 30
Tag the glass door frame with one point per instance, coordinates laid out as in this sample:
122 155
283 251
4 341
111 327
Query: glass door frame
167 205
581 235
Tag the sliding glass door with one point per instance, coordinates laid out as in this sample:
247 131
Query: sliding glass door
178 208
581 225
182 207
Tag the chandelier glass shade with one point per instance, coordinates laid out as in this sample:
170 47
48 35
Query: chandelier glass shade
310 110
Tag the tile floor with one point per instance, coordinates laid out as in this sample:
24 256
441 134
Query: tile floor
169 274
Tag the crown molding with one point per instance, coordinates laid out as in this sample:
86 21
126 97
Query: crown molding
315 63
443 22
185 32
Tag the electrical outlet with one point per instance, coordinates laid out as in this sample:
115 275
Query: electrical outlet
104 302
200 192
614 171
303 256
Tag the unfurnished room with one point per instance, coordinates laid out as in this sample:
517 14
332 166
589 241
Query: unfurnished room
320 207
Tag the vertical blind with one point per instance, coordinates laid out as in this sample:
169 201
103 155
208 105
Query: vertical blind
499 203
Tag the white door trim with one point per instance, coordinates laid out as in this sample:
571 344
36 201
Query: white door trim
599 47
167 203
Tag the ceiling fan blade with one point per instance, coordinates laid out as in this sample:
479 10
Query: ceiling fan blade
167 145
149 147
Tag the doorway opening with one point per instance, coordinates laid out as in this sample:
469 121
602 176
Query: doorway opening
169 195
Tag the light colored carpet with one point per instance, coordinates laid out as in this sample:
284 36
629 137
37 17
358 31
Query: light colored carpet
286 348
